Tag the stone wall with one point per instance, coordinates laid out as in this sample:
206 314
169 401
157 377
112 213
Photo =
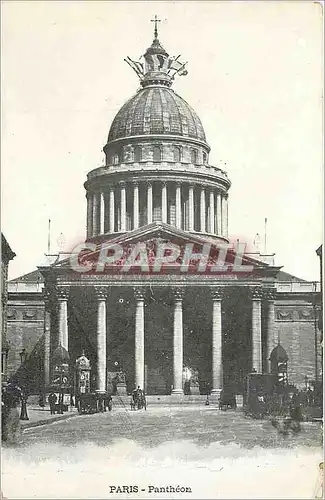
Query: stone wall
25 326
295 326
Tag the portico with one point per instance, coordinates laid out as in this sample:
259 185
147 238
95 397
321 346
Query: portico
154 330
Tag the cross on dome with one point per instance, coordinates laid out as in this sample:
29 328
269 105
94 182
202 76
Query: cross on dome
156 20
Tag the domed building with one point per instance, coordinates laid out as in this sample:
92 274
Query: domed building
157 162
156 296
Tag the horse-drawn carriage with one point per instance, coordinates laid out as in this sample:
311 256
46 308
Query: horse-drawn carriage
94 402
227 400
138 400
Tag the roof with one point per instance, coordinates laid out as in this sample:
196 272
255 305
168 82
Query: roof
6 252
283 276
60 354
156 110
279 353
32 277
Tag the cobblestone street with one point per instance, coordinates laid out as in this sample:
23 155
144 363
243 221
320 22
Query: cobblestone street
215 454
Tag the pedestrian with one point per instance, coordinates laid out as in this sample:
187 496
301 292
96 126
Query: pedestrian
52 402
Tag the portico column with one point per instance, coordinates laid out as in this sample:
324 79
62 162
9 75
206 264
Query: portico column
191 208
224 214
135 205
101 295
217 372
123 208
271 336
219 228
256 294
202 210
102 213
63 294
211 229
178 342
47 337
139 337
149 203
95 213
111 210
89 215
178 206
164 202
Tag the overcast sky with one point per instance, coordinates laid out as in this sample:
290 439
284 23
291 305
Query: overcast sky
254 78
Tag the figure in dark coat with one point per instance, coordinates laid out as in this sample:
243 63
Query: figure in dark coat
52 402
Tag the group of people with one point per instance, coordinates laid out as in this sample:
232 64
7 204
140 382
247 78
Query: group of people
138 399
12 396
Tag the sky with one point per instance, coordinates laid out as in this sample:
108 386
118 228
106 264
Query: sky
254 78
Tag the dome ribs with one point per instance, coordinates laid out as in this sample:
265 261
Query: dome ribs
138 117
156 110
165 114
147 115
156 121
174 114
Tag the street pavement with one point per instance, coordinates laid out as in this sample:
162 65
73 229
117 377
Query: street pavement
213 453
160 424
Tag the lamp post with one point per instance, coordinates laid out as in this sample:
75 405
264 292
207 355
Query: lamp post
23 356
4 360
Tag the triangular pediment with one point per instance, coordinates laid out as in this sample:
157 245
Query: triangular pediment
161 248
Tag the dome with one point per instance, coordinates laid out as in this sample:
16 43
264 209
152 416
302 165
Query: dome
279 354
156 110
61 355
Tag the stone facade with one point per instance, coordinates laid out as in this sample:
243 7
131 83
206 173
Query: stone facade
6 256
157 185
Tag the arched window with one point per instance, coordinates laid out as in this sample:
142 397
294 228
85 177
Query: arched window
194 156
156 153
205 157
137 153
177 153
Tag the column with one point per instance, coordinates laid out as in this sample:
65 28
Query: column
139 338
135 205
219 228
271 334
223 215
47 337
101 295
178 342
226 217
211 228
217 372
178 206
149 203
102 213
256 294
111 211
191 207
95 214
202 210
63 294
123 207
89 215
164 202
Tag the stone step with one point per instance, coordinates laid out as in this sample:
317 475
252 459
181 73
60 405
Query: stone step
163 399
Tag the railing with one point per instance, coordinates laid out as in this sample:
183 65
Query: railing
298 287
25 287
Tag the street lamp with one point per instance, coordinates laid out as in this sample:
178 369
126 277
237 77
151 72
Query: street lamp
23 356
4 359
